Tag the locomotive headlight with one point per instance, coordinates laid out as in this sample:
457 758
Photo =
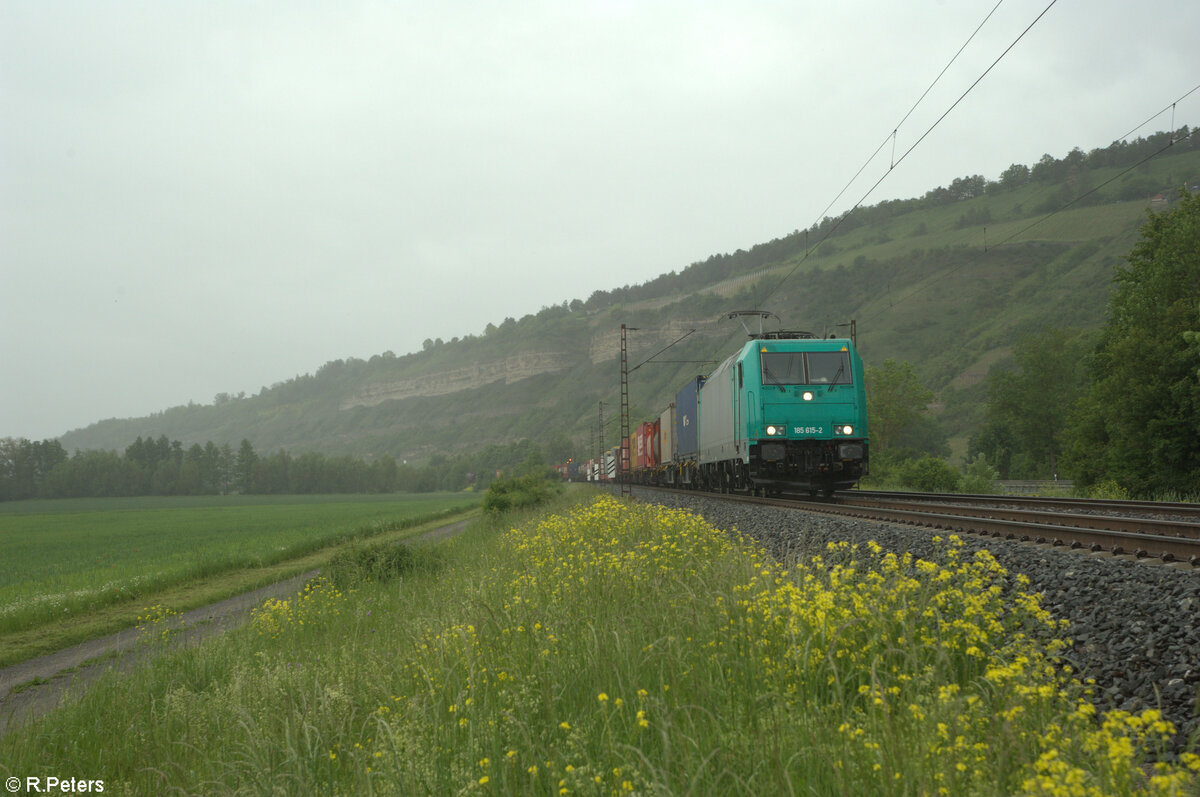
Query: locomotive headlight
808 396
773 430
846 430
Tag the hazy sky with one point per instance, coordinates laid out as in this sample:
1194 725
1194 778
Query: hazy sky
203 197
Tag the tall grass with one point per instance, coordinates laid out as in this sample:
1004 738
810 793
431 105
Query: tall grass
620 649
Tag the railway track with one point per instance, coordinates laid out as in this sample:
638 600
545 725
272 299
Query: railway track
1167 531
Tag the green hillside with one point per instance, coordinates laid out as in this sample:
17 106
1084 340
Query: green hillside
947 282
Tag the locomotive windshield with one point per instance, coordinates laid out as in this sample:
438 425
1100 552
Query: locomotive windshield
829 368
806 368
783 368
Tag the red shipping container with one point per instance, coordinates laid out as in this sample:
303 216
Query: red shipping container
644 455
653 449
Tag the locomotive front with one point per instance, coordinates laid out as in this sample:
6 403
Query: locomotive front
810 415
786 413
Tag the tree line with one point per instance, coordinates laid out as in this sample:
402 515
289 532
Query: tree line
1116 408
158 466
1120 405
1072 172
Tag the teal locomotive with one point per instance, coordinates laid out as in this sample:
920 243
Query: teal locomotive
788 411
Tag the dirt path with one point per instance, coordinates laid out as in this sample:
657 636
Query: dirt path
74 667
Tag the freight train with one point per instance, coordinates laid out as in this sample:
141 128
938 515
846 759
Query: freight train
787 411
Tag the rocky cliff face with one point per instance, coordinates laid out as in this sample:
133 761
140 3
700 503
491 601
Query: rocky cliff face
607 345
510 369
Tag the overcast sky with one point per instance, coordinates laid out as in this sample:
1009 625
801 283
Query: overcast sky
205 197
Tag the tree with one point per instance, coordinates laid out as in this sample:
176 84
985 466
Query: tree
534 464
930 475
271 473
896 399
1014 176
225 466
191 472
1048 170
559 449
1192 337
1028 407
1137 424
383 474
968 187
243 468
25 467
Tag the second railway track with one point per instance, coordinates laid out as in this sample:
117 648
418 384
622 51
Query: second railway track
1170 532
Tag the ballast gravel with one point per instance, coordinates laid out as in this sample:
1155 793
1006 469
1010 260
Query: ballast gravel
1135 624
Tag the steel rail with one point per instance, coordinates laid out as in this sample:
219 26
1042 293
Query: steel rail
1161 508
1141 525
1117 542
1142 538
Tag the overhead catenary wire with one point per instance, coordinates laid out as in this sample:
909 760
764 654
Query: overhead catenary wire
660 351
896 162
1170 107
892 135
961 98
1170 143
927 283
909 151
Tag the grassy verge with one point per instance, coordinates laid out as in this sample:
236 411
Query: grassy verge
618 649
34 633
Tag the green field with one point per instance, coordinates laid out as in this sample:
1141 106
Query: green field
71 557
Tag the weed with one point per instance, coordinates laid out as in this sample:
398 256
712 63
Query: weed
375 563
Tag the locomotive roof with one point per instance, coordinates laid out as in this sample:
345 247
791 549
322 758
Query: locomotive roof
802 344
785 334
813 343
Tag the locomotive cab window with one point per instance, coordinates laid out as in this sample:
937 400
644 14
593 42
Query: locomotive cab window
829 368
806 368
782 368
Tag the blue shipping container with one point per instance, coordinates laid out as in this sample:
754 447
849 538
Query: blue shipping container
687 420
